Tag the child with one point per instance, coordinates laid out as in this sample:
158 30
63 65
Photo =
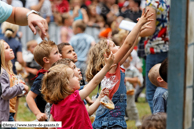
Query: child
10 31
161 93
115 77
78 74
67 51
62 78
66 30
31 66
155 121
131 78
45 54
9 88
81 42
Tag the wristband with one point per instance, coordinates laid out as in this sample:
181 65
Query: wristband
32 11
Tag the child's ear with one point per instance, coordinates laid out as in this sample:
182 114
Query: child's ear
159 79
46 60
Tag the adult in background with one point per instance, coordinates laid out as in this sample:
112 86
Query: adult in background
157 42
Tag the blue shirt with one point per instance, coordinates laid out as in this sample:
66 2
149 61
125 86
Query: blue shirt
81 44
160 100
36 87
5 11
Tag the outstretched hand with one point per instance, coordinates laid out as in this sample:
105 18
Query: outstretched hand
35 20
109 60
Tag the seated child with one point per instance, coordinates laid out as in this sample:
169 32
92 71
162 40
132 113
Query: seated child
155 121
131 78
45 54
32 67
161 93
62 78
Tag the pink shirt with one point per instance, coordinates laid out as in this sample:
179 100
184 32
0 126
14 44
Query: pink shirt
71 112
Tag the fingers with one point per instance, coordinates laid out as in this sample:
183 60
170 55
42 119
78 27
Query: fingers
32 28
43 27
146 13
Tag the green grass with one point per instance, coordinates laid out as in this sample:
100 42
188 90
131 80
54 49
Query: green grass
25 115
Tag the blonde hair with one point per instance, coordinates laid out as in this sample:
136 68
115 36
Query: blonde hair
80 24
9 29
43 50
55 84
154 74
29 43
95 59
3 63
120 37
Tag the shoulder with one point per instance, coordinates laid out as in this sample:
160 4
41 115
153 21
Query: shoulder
3 73
160 91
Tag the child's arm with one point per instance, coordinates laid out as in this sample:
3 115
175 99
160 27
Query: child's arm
91 109
33 107
50 120
31 70
89 101
85 15
134 80
97 78
7 91
129 41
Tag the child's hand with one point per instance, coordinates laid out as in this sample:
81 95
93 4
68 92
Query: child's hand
41 117
110 60
104 92
26 89
145 18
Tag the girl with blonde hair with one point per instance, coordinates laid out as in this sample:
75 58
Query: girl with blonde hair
106 118
9 89
10 30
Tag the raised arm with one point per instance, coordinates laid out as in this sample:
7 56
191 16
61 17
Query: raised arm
97 78
129 41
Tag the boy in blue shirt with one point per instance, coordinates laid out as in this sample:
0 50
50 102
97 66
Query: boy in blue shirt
161 93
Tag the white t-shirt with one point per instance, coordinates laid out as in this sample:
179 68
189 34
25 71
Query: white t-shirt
45 9
15 3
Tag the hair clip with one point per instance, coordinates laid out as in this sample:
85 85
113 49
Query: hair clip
48 71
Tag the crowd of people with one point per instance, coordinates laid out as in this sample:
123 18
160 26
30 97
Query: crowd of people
56 77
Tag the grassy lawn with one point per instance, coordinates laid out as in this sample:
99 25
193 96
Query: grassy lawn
25 115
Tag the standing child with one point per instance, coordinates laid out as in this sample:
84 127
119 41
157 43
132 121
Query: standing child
8 87
81 42
45 54
131 78
62 78
106 118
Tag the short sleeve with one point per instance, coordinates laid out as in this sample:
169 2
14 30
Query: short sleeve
36 86
90 39
5 11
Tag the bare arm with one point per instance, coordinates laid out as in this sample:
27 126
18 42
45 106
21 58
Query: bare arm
31 70
38 6
132 80
32 105
50 120
97 78
85 16
130 40
20 59
150 31
18 16
129 52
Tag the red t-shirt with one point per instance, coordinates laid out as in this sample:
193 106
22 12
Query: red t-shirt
72 113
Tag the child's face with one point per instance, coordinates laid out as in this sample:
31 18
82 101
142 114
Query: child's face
68 52
32 46
73 80
113 47
76 70
54 55
9 55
